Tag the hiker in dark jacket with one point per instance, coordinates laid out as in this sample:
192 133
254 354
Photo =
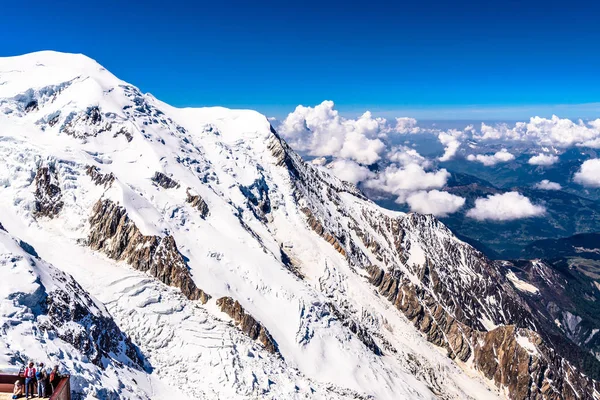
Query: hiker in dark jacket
41 376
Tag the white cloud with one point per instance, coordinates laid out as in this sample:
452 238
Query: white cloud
434 202
489 160
558 132
402 181
321 131
319 161
349 171
589 173
404 155
497 132
451 141
407 125
543 159
547 185
505 207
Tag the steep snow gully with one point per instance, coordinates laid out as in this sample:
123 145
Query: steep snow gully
161 253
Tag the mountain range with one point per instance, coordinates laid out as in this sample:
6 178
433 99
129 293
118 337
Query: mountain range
157 252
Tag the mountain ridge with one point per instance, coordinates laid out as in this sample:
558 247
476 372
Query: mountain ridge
300 251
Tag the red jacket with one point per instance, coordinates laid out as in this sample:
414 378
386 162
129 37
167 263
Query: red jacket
29 371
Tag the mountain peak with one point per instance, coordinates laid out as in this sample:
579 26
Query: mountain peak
212 243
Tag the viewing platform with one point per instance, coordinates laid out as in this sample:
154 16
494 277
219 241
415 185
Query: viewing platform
7 383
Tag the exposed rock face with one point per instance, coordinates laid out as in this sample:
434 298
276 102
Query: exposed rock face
316 226
458 298
566 293
258 198
87 123
58 306
125 133
116 235
98 177
31 106
518 360
94 335
164 181
440 327
48 195
356 328
198 202
247 324
514 358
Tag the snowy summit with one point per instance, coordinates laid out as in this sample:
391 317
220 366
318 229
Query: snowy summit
158 253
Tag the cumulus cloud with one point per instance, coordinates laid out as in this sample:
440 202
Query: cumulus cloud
319 161
505 207
543 159
558 132
434 202
349 171
321 131
547 185
402 181
451 141
404 155
497 132
589 173
407 125
489 160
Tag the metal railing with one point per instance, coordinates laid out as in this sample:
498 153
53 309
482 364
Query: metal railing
63 389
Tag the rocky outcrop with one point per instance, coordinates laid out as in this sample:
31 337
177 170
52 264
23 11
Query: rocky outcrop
356 328
58 307
98 177
441 328
247 324
519 360
48 195
88 123
257 195
31 106
197 202
125 133
113 232
164 181
516 359
68 315
316 226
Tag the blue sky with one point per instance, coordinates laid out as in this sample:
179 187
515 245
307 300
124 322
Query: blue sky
427 59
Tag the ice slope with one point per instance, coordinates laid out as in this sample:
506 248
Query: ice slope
34 297
49 107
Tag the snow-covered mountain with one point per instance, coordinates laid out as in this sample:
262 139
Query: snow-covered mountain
159 252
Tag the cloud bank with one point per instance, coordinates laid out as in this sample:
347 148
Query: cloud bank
355 144
589 173
555 132
505 207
